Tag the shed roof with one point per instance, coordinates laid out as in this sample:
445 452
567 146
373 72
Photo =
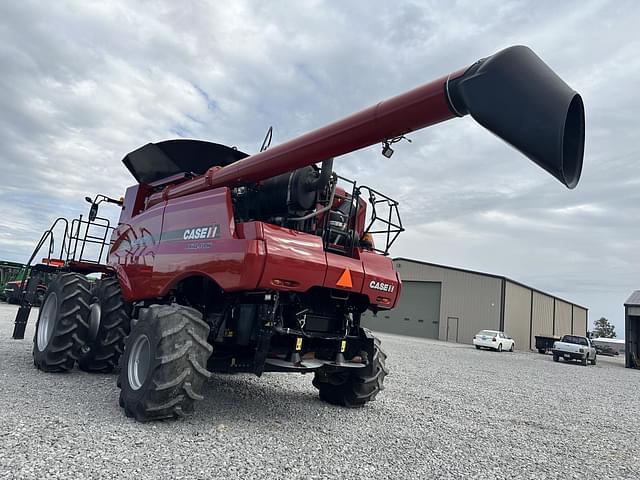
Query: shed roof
633 300
502 277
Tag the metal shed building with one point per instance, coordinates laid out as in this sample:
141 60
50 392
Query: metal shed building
632 330
453 304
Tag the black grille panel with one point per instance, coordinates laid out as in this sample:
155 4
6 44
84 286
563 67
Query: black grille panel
323 323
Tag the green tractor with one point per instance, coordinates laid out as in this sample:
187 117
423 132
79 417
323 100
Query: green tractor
14 281
9 273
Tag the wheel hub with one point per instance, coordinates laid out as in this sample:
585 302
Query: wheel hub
47 321
139 362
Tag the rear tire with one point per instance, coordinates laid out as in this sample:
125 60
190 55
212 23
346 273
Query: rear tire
113 325
62 323
354 389
542 351
163 369
556 358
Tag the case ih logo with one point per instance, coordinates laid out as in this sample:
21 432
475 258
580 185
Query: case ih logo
383 287
197 233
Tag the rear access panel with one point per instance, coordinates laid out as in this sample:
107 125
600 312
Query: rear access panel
295 261
344 273
381 283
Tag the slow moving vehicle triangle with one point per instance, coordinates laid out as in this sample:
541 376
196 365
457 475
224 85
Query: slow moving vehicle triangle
345 279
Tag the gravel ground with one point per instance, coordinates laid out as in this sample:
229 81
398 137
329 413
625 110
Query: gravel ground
449 411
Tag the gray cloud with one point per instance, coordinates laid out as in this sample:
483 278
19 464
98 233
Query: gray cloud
83 84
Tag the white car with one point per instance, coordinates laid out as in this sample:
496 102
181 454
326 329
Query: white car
494 340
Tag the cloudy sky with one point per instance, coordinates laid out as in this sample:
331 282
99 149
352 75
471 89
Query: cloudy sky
82 84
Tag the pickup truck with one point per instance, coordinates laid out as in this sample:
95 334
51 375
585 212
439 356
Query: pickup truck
573 347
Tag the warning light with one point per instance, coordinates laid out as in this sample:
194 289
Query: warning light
279 282
345 279
53 262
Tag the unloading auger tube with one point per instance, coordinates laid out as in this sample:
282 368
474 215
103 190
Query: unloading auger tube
512 93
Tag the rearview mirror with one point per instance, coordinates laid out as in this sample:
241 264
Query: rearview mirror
93 212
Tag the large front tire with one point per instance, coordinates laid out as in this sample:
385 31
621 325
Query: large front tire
164 363
353 389
62 323
109 324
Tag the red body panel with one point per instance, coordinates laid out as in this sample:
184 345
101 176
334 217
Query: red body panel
234 264
337 264
379 268
133 251
196 235
294 256
153 251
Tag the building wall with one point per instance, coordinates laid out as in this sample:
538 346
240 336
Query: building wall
453 305
470 302
542 321
632 336
563 318
579 321
517 314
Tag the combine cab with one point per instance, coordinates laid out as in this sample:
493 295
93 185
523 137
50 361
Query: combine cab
227 262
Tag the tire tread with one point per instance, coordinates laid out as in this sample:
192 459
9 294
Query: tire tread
179 370
71 326
357 388
106 349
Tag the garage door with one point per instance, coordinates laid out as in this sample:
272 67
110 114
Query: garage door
417 313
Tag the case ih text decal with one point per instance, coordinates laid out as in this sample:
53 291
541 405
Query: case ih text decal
200 233
197 233
383 287
205 232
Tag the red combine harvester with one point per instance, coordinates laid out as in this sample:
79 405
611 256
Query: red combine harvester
229 262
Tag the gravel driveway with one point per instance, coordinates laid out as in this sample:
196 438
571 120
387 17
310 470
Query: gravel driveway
449 411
